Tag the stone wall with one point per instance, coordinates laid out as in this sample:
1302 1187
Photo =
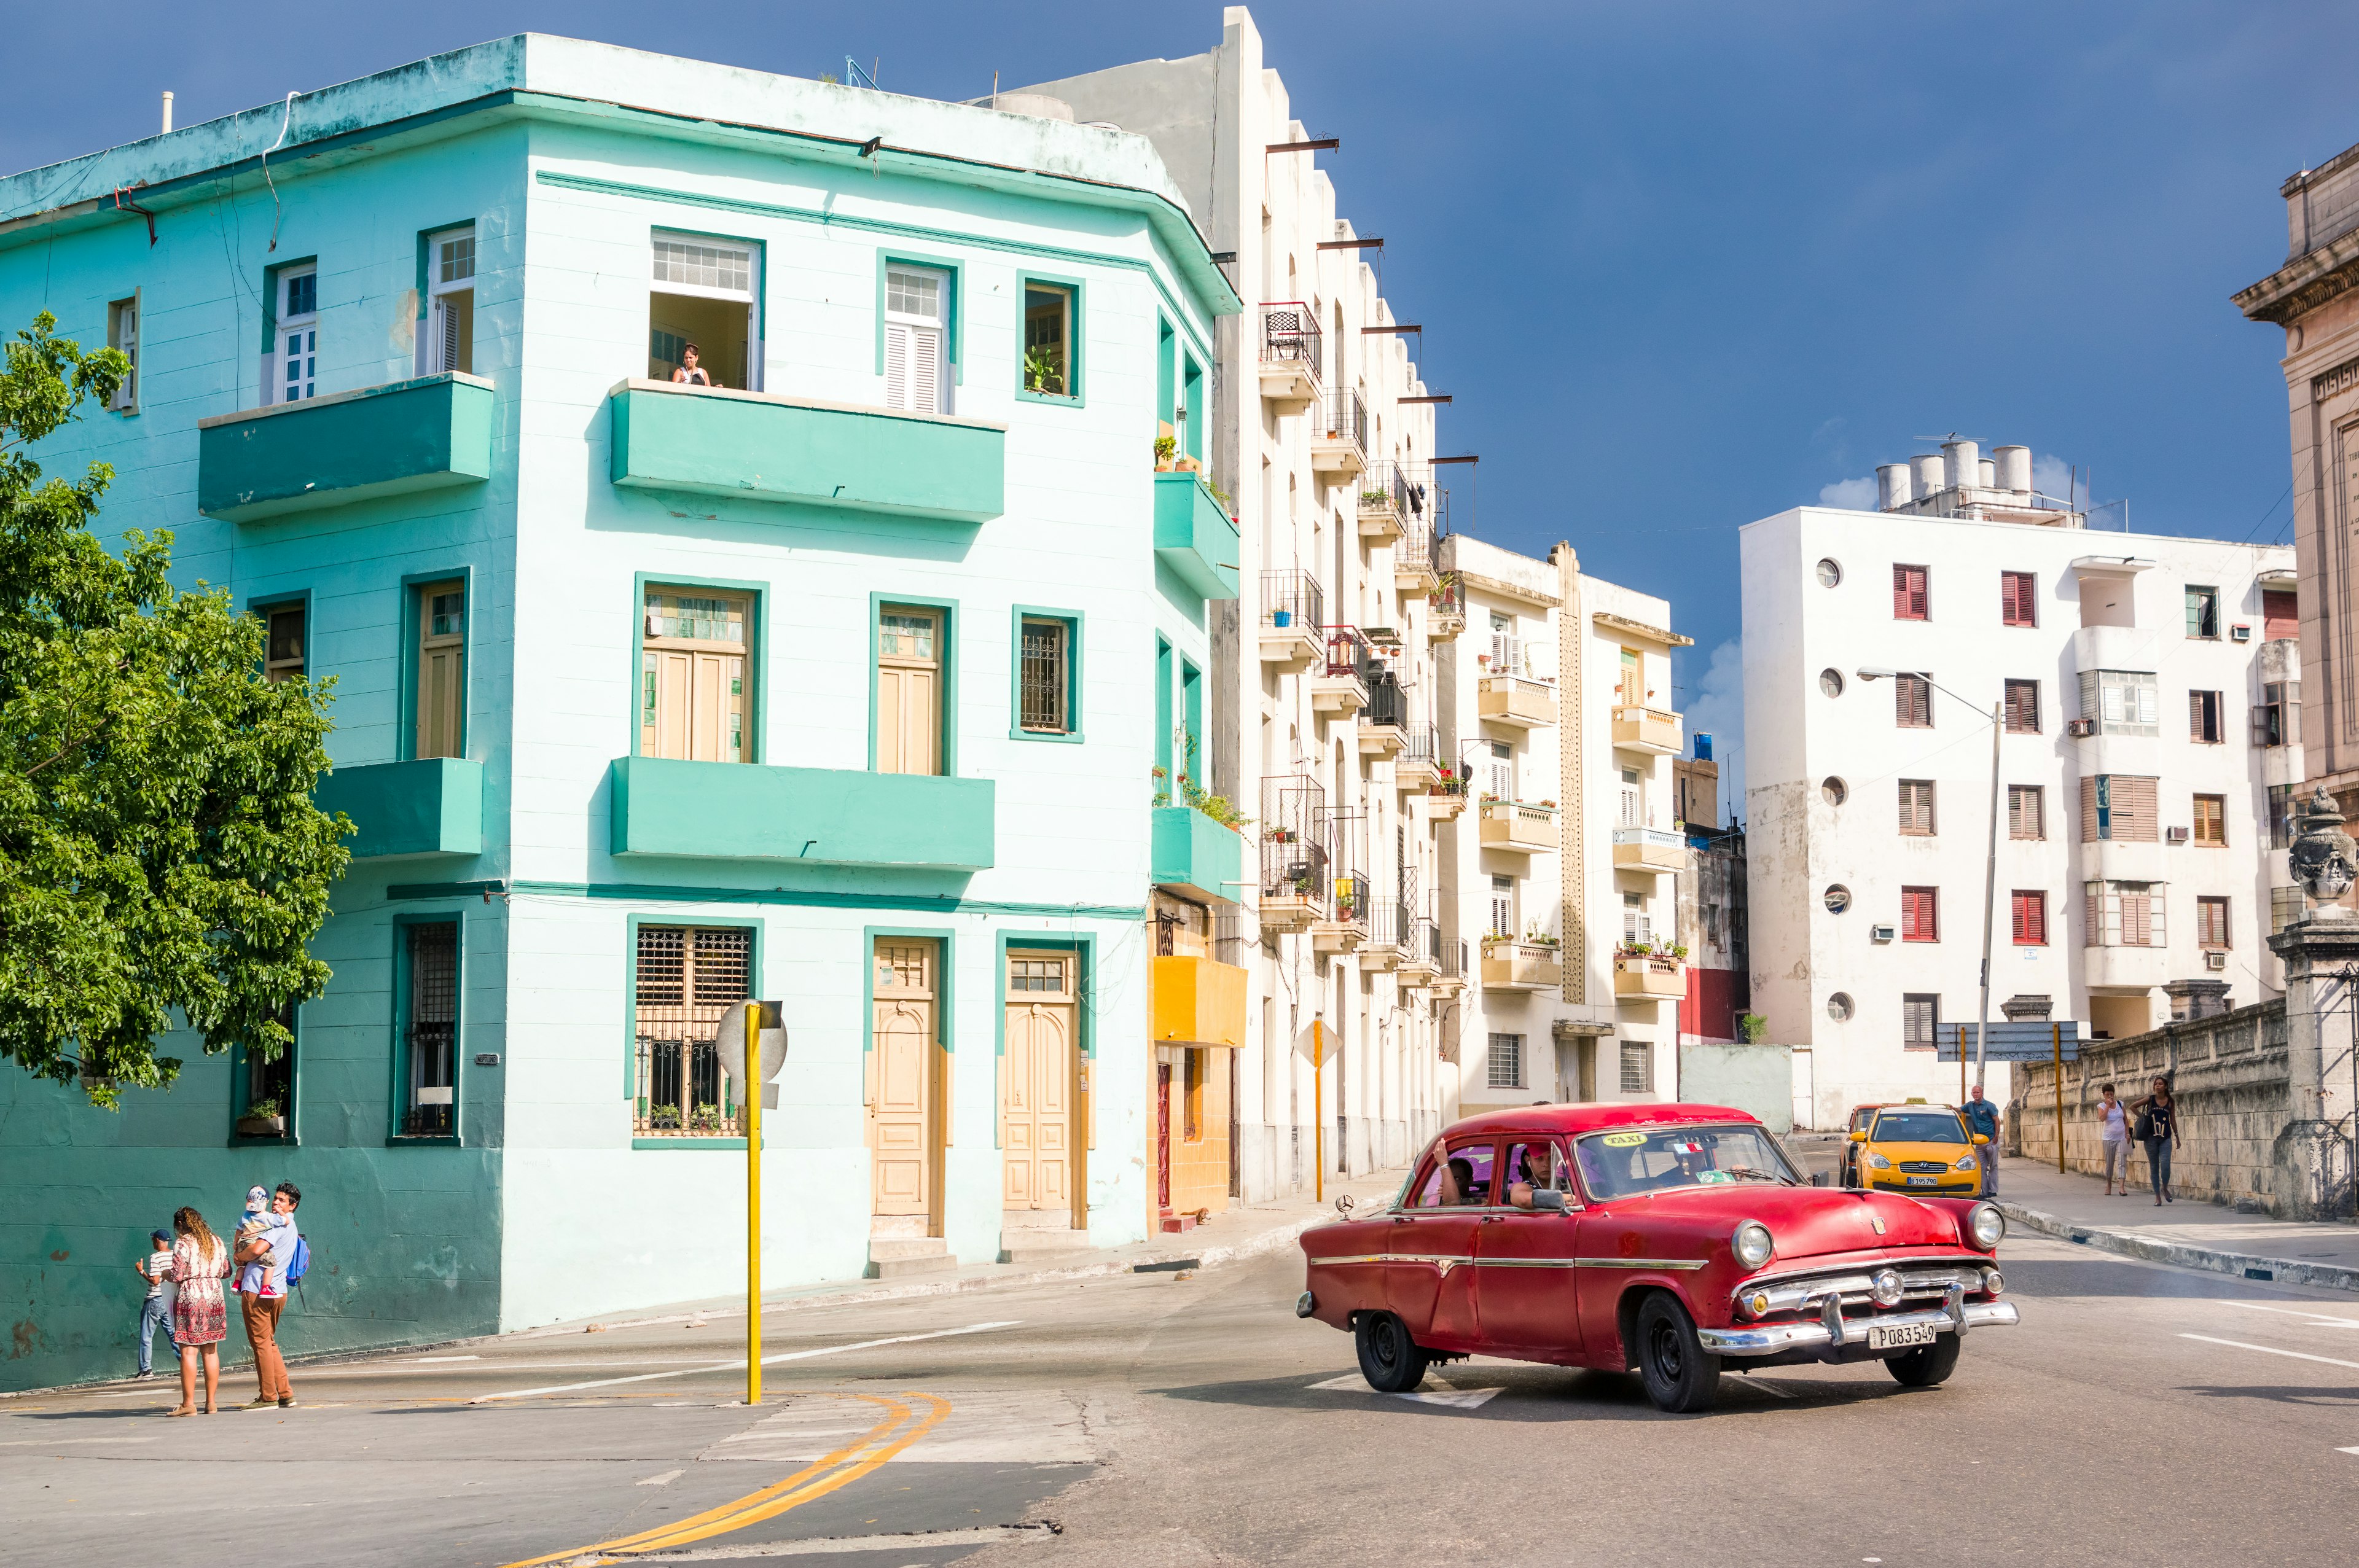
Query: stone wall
2228 1074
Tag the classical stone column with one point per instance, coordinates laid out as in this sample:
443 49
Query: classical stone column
2321 950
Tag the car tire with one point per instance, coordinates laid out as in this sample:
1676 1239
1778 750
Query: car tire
1390 1361
1928 1364
1679 1377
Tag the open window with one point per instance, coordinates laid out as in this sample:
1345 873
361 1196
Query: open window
695 691
283 657
123 336
917 306
703 322
1051 365
450 340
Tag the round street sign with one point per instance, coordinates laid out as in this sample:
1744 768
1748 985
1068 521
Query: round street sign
729 1041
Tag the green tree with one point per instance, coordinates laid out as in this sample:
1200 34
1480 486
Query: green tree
160 852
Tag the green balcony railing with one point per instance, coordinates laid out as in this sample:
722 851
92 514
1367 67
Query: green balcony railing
405 436
1194 536
841 817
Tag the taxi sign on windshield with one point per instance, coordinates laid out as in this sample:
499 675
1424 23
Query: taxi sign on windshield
1624 1139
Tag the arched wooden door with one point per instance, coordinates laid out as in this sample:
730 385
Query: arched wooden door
1037 1080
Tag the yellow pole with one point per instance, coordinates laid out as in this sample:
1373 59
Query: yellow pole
1319 1107
750 1091
2056 1043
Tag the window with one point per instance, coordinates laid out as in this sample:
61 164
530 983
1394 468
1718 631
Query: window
1916 807
1052 366
282 652
448 343
2122 702
1632 690
2118 807
2023 708
2123 914
298 332
1908 593
685 978
1502 770
908 690
701 299
1463 1177
1633 810
1193 417
2019 595
123 336
2285 907
1503 906
1045 683
1637 1067
1192 1093
2031 918
693 677
1912 702
1921 915
916 340
1636 925
1921 1020
2212 923
1839 1007
1507 1065
2277 720
2282 809
2280 614
2027 811
428 1081
2205 725
1829 571
441 609
2202 611
268 1087
2211 821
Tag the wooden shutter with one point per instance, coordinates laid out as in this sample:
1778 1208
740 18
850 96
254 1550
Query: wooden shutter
1908 593
2280 614
441 668
1921 915
2088 811
2135 925
2031 919
1912 699
2136 813
2023 708
1916 806
2016 594
2210 819
2093 913
2211 922
2026 812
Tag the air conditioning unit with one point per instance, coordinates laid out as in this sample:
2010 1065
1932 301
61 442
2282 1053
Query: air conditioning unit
1883 933
2241 632
2080 728
2215 960
2174 835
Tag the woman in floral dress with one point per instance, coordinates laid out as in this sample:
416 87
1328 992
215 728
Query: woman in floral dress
200 1311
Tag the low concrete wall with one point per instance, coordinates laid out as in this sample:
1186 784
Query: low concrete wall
2228 1074
1756 1078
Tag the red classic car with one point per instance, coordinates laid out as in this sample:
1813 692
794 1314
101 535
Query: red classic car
1675 1238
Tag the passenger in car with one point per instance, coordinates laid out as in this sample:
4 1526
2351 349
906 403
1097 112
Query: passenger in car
1458 1187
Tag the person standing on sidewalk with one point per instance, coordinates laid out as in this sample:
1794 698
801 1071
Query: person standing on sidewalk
199 1316
262 1289
2157 1129
2113 1130
1983 1117
156 1312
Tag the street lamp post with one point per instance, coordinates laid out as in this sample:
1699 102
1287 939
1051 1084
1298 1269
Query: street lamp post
1990 860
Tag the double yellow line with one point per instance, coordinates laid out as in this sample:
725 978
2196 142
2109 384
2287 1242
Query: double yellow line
908 1417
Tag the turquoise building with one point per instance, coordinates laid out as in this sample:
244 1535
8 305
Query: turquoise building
727 507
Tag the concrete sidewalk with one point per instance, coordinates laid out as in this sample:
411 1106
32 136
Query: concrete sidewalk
2037 1197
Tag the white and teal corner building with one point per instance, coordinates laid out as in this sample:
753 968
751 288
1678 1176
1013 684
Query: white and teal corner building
839 681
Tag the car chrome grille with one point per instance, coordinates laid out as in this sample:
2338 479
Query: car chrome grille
1853 1287
1924 1167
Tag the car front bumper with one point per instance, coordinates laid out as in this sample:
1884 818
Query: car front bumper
1829 1330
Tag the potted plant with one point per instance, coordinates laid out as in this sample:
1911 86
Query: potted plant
263 1118
664 1118
1165 447
1044 371
1678 952
1751 1027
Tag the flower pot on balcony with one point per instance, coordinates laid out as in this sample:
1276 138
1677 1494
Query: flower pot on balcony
1281 617
262 1127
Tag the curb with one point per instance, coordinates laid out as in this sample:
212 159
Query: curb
2246 1265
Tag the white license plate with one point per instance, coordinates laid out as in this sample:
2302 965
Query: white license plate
1880 1338
1924 1181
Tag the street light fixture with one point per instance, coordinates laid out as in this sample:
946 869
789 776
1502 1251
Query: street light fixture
1990 861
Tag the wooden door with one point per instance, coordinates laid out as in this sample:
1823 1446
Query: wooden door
903 1139
1035 1083
909 690
1163 1137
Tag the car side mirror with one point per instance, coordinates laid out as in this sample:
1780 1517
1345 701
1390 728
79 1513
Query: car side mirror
1859 1135
1548 1198
1982 1137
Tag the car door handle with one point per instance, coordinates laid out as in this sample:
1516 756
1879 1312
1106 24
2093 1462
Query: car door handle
1493 1218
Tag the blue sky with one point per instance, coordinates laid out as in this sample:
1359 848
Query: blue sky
1681 265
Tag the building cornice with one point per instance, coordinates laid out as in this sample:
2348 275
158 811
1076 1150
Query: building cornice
1641 631
2303 283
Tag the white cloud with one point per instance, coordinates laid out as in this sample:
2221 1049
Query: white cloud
1716 707
2052 476
1851 494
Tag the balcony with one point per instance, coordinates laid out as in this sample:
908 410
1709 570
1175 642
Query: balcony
1340 687
431 806
1292 350
1518 828
1414 570
839 816
1387 946
1346 925
1384 723
1294 884
1339 437
1199 1001
426 434
1195 536
1648 977
1517 702
1197 856
846 457
1648 729
1418 766
1386 504
1649 849
1292 606
1449 965
1421 959
1512 966
1446 796
1445 610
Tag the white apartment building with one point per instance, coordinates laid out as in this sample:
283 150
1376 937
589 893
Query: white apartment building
2147 689
1322 687
1559 879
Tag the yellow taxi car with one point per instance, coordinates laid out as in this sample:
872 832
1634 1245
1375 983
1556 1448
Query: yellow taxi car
1917 1148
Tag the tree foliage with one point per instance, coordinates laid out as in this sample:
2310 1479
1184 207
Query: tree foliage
159 851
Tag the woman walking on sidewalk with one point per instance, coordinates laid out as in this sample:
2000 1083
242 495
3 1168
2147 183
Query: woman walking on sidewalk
199 1311
2157 1129
2113 1127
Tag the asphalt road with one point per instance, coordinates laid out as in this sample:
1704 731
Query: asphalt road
2139 1414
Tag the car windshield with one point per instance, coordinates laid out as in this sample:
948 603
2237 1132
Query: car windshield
1653 1159
1918 1127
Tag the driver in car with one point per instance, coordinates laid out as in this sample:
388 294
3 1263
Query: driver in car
1536 1169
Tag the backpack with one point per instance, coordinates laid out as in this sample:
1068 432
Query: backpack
301 1264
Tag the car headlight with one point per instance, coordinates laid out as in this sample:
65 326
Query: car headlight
1992 1281
1965 1164
1753 1244
1986 1226
1878 1160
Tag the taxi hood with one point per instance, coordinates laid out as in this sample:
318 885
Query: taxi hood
1804 1222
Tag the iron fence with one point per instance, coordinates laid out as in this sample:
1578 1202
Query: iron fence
1290 332
1294 856
1344 417
1292 598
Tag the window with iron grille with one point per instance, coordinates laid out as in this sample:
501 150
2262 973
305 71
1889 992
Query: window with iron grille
1912 702
2211 923
1916 807
2023 708
2206 725
429 1035
1637 1067
1921 1020
2018 598
2031 918
687 977
2027 811
1046 677
1506 1062
1908 596
1921 915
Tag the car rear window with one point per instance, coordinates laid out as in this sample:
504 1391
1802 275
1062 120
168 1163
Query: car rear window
1919 1127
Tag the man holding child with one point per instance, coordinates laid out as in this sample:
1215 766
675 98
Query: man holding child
265 1246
